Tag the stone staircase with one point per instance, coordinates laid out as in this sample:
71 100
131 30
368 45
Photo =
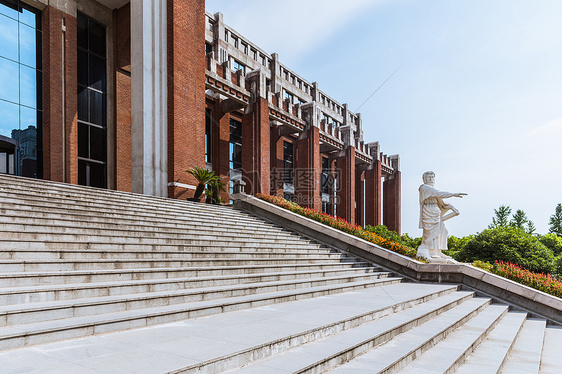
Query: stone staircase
96 281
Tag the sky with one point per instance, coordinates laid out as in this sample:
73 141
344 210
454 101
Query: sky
477 97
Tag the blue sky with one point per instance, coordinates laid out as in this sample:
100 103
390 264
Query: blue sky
478 99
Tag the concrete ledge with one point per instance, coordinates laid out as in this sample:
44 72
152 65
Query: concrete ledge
516 294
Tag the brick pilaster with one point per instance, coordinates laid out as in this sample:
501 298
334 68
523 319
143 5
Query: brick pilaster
346 185
255 148
308 170
391 212
373 197
186 91
60 126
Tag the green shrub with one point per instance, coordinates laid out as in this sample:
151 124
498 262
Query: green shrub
405 240
457 244
509 244
483 265
552 241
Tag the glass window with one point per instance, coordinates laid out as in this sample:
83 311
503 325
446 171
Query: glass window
208 135
239 66
92 112
288 166
20 86
235 146
9 40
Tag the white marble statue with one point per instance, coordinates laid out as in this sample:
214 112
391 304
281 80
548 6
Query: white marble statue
433 212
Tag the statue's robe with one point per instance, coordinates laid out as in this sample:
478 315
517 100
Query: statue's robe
432 209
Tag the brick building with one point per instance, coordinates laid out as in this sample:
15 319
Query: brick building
129 95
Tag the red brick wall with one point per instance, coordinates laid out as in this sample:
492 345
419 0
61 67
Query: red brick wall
346 185
122 62
255 148
373 188
391 203
308 170
359 195
220 134
53 101
186 91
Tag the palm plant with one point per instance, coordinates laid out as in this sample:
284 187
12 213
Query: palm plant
213 191
203 176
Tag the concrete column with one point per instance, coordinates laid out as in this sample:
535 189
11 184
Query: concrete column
308 170
149 97
346 185
373 188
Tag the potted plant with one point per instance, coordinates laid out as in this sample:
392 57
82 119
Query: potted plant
203 176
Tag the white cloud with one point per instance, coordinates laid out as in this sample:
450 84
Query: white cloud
550 128
290 27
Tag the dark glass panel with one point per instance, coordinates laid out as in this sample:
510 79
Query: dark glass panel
82 172
97 73
82 68
9 37
97 175
83 140
82 32
9 118
9 80
97 144
28 86
97 38
39 84
83 104
96 108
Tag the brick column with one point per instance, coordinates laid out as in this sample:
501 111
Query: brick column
359 195
220 152
276 156
60 126
391 212
346 185
186 92
308 170
373 197
255 148
332 176
122 63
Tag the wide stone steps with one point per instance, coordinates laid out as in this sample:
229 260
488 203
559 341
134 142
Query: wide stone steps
58 277
46 323
58 292
108 264
96 281
51 254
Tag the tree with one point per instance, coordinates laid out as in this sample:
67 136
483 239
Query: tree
502 217
552 241
556 221
519 220
530 227
509 244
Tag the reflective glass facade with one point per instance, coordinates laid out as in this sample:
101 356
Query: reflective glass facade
20 89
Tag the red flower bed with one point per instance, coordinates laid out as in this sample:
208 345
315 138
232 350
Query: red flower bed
541 282
338 223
